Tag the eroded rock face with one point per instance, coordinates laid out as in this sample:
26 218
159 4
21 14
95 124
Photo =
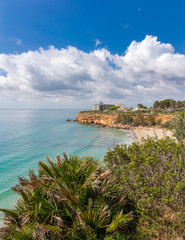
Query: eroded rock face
163 118
109 120
100 119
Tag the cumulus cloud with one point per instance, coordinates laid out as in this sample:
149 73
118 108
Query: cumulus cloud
147 71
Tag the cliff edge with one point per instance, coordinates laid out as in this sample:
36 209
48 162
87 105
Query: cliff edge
100 119
112 120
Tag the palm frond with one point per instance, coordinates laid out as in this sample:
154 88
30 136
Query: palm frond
119 221
53 229
10 212
44 168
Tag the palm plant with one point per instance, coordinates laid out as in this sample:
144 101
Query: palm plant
72 198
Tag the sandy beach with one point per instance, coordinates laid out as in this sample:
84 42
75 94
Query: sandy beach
143 132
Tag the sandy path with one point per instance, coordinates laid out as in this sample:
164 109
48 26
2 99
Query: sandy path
140 132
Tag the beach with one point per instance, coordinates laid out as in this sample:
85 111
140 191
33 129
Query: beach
144 132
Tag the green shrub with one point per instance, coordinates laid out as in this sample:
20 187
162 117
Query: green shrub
153 176
73 198
137 193
179 126
168 124
150 120
113 108
139 120
158 122
136 120
125 119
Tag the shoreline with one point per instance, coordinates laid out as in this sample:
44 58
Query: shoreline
146 132
138 133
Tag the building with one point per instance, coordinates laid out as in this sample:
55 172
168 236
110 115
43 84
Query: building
137 109
120 105
101 106
123 109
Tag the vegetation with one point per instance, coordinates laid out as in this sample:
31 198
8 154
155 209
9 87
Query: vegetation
179 126
168 104
141 106
153 176
136 120
70 199
137 193
113 108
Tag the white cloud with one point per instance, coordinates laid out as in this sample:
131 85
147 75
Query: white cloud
149 70
97 42
16 40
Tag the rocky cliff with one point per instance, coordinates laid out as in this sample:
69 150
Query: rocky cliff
100 119
110 120
163 118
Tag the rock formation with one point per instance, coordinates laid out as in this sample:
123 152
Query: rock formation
100 119
109 120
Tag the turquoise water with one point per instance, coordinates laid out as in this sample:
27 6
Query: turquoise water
28 136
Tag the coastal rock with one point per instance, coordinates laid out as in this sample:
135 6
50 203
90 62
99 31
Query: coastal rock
100 119
110 120
163 118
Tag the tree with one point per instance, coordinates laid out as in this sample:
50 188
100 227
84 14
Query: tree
172 103
141 106
165 104
156 105
179 104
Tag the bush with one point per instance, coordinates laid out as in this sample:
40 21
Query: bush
72 199
179 126
158 122
137 193
113 108
125 119
139 121
153 176
150 120
168 124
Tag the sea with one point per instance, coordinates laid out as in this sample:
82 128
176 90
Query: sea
29 136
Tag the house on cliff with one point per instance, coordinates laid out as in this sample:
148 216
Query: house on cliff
101 106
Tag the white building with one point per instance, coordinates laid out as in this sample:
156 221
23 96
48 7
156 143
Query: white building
120 105
101 106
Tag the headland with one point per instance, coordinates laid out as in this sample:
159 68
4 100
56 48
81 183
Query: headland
143 125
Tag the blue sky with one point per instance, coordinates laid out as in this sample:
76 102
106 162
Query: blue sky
39 23
108 27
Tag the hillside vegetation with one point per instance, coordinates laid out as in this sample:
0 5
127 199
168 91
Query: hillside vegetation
138 192
165 113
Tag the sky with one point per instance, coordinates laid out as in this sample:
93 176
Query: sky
73 53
